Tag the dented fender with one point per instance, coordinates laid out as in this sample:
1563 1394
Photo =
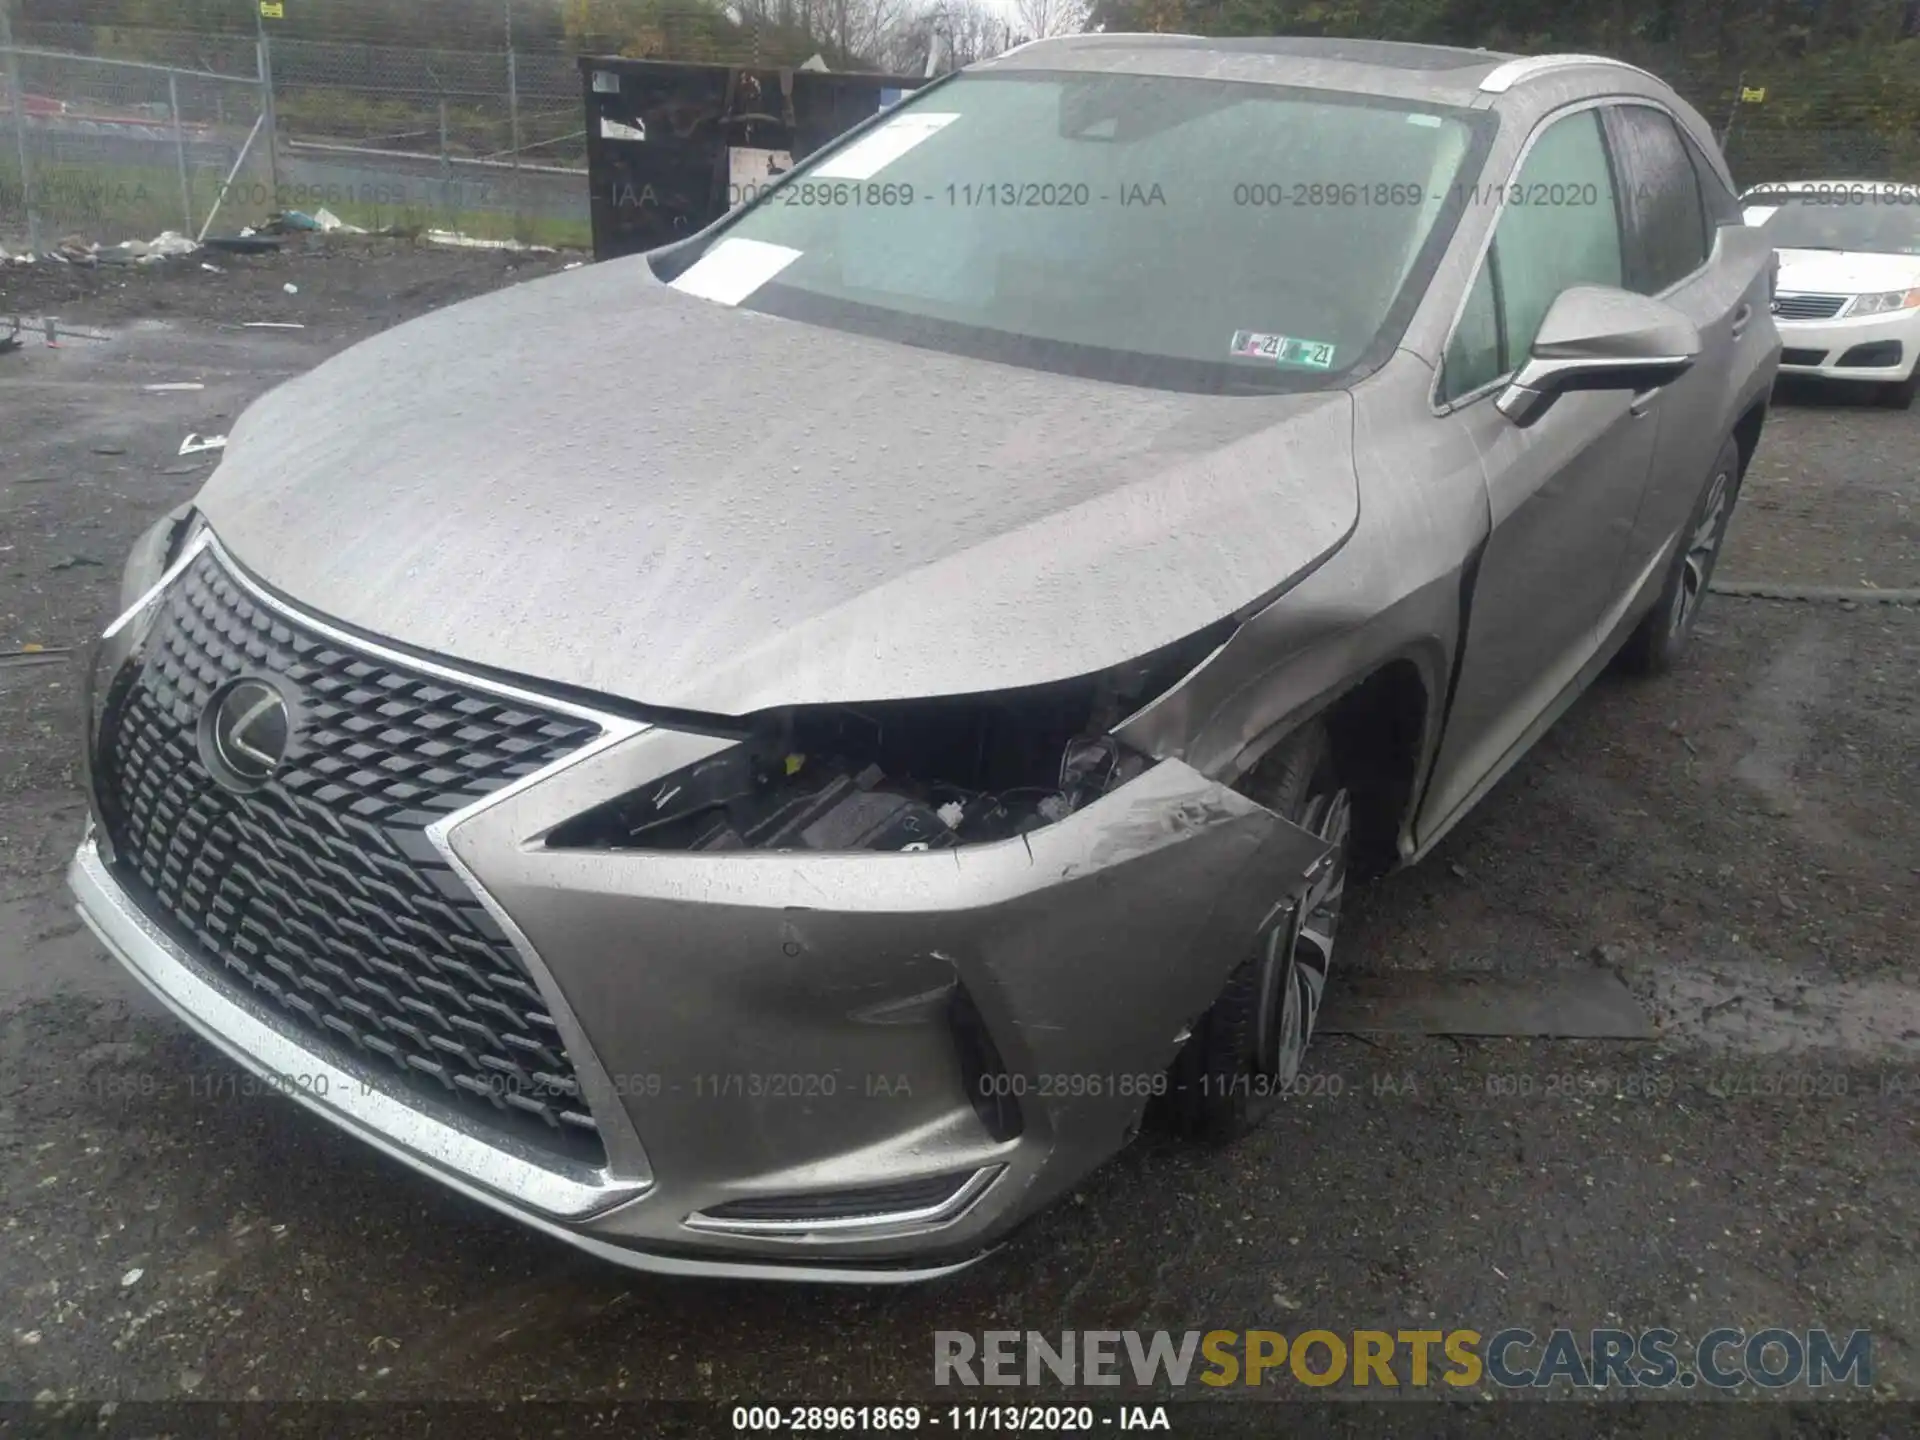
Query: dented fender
1087 947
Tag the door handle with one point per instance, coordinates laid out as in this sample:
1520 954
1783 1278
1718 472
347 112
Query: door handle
1740 319
1642 402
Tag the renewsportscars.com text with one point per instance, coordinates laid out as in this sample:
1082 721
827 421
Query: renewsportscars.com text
1507 1359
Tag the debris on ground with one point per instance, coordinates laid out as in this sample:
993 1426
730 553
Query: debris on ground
33 655
169 243
291 288
173 385
474 242
295 222
50 327
194 444
272 325
75 562
242 244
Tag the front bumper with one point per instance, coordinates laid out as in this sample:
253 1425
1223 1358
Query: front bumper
778 1027
1834 349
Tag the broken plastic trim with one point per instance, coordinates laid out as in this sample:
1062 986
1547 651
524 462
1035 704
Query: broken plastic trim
901 774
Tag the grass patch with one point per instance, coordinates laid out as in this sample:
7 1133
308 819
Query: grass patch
110 203
561 232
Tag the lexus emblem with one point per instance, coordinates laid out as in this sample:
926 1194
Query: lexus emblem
1775 307
244 733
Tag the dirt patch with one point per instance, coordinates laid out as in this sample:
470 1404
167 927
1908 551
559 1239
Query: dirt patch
349 280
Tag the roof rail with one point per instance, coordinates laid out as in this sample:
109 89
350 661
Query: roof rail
1503 79
1095 35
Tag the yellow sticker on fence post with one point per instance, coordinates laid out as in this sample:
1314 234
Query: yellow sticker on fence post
1751 96
273 10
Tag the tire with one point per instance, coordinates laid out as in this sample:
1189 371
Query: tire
1662 634
1246 1050
1900 394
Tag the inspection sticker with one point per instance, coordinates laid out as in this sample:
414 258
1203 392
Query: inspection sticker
871 154
734 269
1283 349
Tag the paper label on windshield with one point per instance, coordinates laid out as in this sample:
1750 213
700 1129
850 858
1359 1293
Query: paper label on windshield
734 269
1283 349
866 158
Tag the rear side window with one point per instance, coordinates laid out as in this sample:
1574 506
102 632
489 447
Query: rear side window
1666 227
1722 205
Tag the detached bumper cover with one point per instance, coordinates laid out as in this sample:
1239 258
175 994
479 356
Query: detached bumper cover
778 1026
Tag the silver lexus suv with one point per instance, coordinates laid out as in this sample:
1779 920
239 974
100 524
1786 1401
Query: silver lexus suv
777 756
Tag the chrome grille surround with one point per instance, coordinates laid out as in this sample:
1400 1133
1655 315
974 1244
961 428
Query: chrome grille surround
337 813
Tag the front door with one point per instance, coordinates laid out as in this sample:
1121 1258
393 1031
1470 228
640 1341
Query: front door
1563 493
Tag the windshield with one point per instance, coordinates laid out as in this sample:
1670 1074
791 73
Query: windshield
1188 233
1862 219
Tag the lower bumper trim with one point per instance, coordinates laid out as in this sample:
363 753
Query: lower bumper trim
851 1212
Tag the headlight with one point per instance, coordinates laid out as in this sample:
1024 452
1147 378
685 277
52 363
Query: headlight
107 662
1884 302
899 775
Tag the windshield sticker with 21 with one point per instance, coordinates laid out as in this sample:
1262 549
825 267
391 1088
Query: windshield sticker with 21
1284 349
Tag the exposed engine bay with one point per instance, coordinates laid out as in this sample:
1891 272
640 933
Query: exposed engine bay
895 776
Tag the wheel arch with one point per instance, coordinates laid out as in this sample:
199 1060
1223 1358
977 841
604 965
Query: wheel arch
1383 725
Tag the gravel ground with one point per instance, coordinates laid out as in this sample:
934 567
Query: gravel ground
1737 841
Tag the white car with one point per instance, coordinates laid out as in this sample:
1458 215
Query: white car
1847 301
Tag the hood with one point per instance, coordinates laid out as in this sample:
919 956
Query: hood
596 480
1847 272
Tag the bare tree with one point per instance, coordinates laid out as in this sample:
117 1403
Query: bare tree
966 29
1043 18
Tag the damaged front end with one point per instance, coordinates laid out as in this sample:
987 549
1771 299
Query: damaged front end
899 775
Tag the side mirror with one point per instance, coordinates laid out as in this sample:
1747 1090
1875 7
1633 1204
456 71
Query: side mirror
1597 338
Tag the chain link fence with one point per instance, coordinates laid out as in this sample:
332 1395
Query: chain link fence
1815 124
489 143
110 150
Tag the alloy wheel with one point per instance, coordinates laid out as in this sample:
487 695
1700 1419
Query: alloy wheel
1703 548
1297 949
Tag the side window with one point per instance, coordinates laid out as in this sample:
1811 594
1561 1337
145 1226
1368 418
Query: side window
1722 205
1667 234
1473 356
1560 227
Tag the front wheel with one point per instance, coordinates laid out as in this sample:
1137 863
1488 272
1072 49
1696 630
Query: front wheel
1247 1050
1660 637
